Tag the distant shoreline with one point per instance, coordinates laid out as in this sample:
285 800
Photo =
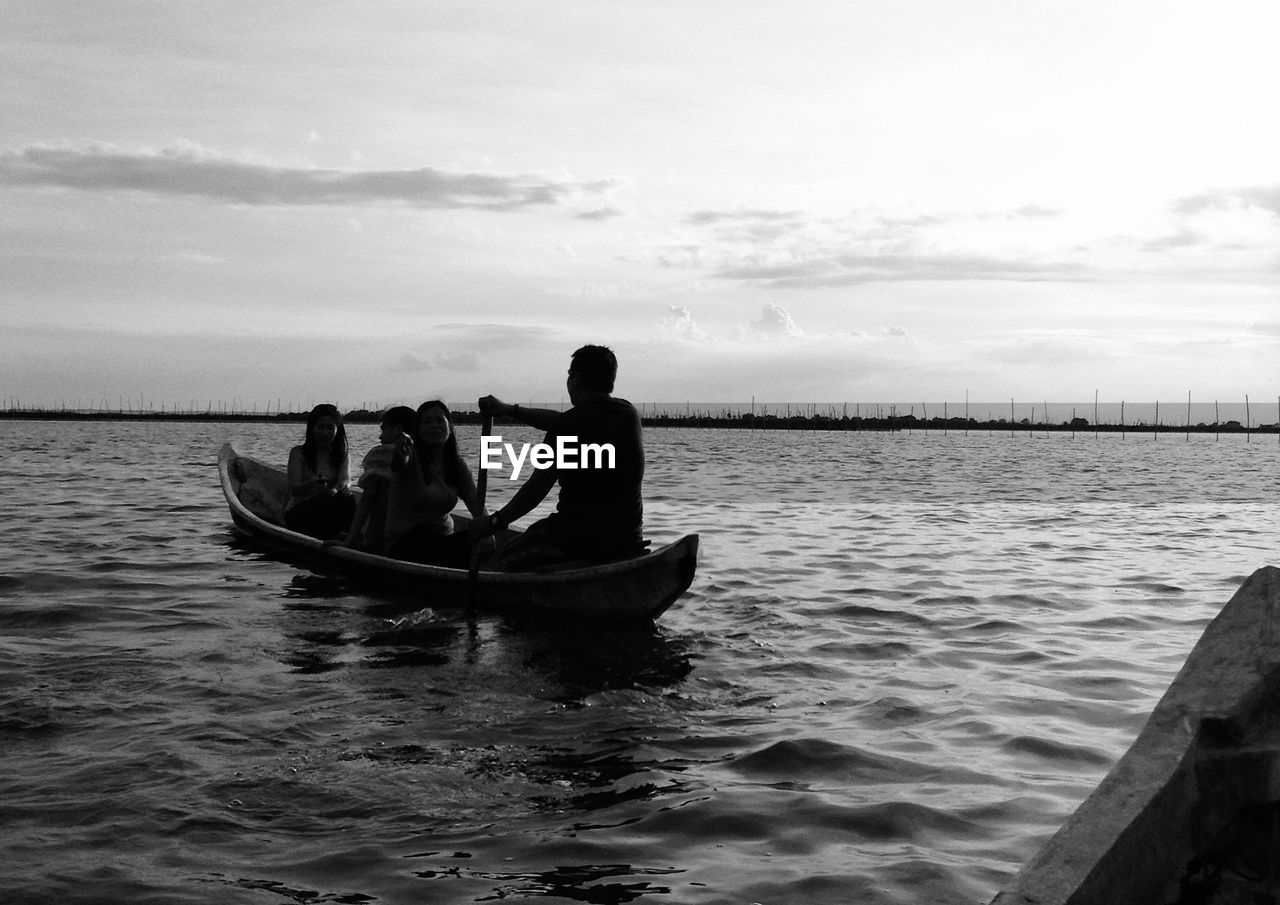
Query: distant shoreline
744 421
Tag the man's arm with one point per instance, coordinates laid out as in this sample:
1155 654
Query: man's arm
527 497
542 419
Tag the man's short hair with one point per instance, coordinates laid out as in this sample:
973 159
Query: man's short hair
596 367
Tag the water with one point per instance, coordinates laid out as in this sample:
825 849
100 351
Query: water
906 658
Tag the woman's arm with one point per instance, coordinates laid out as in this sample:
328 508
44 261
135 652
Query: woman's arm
467 491
403 453
343 481
299 484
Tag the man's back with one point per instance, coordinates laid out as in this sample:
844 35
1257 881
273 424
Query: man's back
602 504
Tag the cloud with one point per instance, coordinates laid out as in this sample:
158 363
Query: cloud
466 362
1183 238
744 363
775 321
1242 222
1266 197
855 269
494 336
787 249
750 226
409 363
193 172
596 290
680 256
711 218
1057 348
1035 210
603 213
679 324
795 249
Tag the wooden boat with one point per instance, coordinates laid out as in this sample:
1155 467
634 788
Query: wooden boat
1191 813
634 589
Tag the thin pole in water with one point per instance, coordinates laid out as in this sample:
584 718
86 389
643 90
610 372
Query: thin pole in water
1188 416
1248 420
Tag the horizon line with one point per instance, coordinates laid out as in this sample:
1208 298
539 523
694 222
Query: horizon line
142 404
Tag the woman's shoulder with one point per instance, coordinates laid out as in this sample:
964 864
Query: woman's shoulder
380 456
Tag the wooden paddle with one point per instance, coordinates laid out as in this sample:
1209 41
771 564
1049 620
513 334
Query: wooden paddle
482 484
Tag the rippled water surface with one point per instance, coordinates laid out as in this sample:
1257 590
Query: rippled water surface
905 659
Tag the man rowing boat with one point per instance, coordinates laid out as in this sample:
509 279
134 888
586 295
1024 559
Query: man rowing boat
599 514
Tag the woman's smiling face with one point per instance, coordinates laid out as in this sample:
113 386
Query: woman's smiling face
324 430
433 426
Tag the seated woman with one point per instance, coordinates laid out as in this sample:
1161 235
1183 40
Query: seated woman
368 525
428 477
320 502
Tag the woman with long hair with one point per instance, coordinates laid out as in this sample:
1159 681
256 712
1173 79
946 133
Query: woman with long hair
428 478
320 502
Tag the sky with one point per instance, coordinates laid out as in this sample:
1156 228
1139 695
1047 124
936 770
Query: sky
285 203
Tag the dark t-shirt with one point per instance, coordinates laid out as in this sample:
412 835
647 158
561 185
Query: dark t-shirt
599 502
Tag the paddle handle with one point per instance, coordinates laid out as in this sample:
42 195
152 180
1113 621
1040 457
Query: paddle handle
482 479
482 485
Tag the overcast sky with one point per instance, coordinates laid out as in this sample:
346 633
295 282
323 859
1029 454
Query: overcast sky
838 200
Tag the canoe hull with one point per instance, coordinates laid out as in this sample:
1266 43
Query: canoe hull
635 589
1177 808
